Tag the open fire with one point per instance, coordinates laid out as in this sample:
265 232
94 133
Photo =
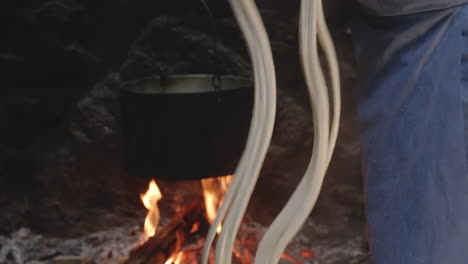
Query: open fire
214 190
181 240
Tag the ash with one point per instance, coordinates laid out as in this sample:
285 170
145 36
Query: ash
114 245
106 247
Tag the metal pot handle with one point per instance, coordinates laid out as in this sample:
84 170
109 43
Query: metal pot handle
216 79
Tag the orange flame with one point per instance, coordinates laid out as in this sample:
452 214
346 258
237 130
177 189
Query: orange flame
175 259
150 199
214 190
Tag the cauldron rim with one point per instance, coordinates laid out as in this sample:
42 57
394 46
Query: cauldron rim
185 84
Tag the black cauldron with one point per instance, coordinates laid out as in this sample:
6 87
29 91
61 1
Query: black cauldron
182 127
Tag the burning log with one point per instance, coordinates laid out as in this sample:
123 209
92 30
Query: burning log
170 238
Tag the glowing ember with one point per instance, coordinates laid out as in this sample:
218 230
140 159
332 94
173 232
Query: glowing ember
307 254
214 190
195 227
150 199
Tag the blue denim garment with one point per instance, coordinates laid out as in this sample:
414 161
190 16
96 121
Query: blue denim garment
403 7
413 110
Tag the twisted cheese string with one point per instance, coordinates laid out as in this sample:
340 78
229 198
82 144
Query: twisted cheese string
246 174
298 208
301 203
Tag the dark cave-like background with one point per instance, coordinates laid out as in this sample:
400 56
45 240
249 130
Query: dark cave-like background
61 64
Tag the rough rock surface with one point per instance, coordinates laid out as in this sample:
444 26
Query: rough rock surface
61 168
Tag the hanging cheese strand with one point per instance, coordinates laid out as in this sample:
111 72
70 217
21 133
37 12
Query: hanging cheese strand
271 246
233 219
326 43
301 203
298 208
246 174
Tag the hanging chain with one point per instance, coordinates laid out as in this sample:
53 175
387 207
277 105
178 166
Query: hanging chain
164 65
216 79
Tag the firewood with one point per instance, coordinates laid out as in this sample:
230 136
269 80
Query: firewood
170 238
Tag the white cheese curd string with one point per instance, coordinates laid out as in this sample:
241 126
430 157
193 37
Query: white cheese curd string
326 43
234 217
301 203
259 136
298 208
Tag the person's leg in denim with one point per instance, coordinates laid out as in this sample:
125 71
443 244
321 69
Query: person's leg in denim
413 137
